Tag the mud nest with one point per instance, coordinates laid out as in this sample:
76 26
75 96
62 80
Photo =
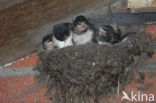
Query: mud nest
91 71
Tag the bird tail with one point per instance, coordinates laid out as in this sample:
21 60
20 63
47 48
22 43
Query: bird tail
125 36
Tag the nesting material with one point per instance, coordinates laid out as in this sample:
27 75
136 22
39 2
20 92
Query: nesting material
91 71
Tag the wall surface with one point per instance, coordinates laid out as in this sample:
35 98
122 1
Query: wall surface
141 3
8 3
